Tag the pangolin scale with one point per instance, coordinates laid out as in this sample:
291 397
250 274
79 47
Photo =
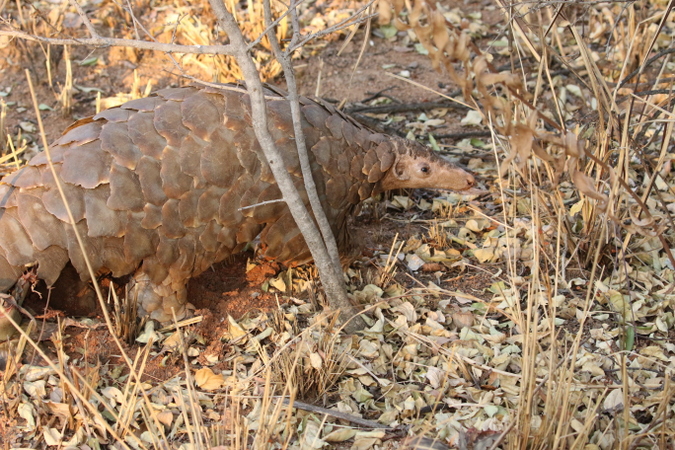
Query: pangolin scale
165 186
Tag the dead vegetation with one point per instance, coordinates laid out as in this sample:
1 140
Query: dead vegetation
565 342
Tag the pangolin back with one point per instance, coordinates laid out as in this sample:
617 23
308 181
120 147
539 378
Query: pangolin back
165 186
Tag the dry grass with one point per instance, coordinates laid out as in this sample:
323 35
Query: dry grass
569 348
558 406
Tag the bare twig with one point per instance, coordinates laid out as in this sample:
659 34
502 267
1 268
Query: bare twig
348 22
403 107
646 64
337 414
131 43
266 202
285 59
463 134
271 26
87 23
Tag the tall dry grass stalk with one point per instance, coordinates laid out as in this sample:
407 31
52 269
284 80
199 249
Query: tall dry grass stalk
66 96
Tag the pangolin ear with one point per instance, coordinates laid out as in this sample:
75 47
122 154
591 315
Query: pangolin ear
400 171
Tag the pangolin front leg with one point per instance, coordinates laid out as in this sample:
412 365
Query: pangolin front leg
163 187
162 301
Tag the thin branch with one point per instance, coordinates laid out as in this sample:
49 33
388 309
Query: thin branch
87 23
295 41
115 42
463 134
403 107
648 63
295 26
310 187
337 414
271 26
266 202
346 23
333 285
137 23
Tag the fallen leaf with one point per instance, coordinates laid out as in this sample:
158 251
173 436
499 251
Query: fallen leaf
207 380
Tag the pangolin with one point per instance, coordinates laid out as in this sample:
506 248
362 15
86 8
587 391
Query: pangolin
165 186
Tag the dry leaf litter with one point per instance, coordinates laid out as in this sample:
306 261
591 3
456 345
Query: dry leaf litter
481 320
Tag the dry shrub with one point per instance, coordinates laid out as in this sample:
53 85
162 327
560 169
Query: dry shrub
310 365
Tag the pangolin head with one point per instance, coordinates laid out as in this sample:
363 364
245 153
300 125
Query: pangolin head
418 167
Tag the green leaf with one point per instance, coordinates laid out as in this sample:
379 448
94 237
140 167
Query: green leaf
478 307
491 410
87 90
388 31
433 143
478 143
89 61
498 287
419 48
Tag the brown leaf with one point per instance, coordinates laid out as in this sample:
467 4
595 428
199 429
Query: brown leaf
207 380
432 267
586 186
522 140
384 12
463 319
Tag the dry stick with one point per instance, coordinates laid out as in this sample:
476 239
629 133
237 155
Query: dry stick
403 107
338 26
87 23
463 134
310 186
333 285
270 26
337 414
100 41
366 37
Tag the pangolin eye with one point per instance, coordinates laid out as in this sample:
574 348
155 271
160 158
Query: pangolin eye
425 169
